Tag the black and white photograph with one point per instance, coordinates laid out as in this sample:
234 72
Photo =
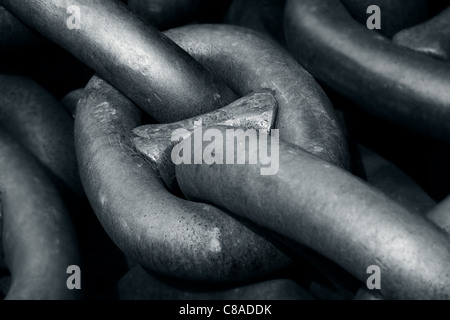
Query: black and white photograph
225 155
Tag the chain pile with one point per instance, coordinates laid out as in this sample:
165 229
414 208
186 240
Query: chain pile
116 182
